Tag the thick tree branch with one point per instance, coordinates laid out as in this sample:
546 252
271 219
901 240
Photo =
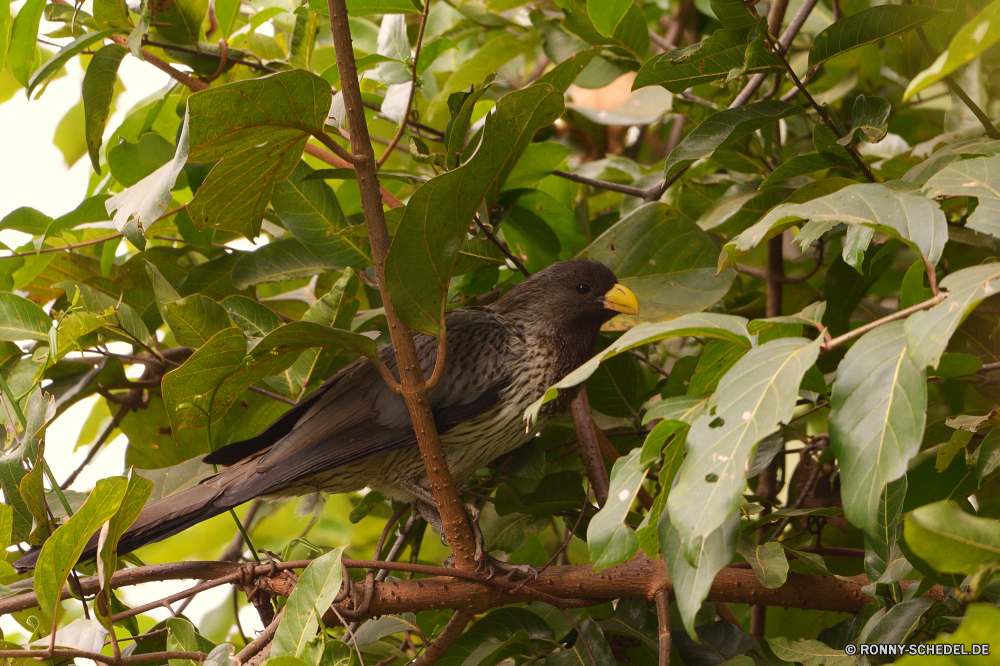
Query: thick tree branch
590 448
662 600
453 518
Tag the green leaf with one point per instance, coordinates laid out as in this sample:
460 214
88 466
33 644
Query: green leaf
950 540
579 654
425 247
692 582
508 533
313 594
630 38
752 399
96 302
237 117
255 319
988 455
142 204
978 178
870 117
20 319
767 560
680 408
881 549
607 14
734 15
564 74
494 629
722 129
706 324
867 27
98 91
238 188
979 626
66 544
928 332
133 499
719 55
461 105
670 265
610 537
112 15
309 210
22 52
536 162
5 27
286 259
226 13
56 62
183 19
974 38
809 653
195 319
911 218
874 440
131 162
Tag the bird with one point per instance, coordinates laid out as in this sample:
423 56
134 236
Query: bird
354 432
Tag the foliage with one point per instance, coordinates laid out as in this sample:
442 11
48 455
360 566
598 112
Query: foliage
685 156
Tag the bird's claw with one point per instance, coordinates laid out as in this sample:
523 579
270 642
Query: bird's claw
492 566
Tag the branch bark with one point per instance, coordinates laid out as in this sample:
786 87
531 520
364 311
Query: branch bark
590 448
414 386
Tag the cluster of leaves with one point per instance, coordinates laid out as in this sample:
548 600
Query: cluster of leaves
875 163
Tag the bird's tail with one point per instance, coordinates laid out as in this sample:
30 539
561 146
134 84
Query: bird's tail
157 521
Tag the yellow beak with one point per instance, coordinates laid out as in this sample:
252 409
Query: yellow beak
621 299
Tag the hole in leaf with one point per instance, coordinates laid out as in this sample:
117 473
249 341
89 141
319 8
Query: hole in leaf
717 422
711 478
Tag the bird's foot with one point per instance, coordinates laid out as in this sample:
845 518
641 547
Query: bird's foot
492 566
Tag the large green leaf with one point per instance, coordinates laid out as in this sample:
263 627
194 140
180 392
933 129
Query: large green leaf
495 628
866 27
611 539
928 332
133 499
631 36
310 211
809 653
20 319
607 14
911 218
142 204
272 109
195 319
767 560
437 216
256 319
665 259
693 581
22 53
721 55
66 544
882 552
752 399
131 162
313 594
877 419
705 324
179 20
238 189
112 14
978 178
969 43
286 259
950 540
721 128
56 62
98 90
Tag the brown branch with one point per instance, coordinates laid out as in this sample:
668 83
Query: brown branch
603 185
61 248
192 84
214 56
511 257
662 600
388 198
902 314
101 658
413 90
453 518
262 639
590 448
456 625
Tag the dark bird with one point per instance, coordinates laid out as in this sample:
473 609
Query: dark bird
354 432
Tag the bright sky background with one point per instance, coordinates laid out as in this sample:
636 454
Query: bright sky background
33 173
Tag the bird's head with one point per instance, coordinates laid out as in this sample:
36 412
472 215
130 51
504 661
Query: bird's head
573 294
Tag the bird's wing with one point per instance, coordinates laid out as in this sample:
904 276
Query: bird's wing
355 415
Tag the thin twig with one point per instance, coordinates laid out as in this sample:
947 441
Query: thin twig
589 446
206 54
662 600
262 639
511 257
456 625
413 90
902 314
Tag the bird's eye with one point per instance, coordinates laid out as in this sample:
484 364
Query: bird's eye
583 288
